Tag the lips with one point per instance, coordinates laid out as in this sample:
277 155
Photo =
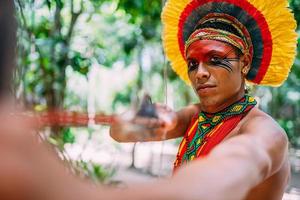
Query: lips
205 88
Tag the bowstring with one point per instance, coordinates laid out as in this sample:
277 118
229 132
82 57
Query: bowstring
165 84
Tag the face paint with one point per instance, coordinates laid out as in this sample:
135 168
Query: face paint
213 57
214 70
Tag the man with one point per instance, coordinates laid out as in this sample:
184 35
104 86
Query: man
215 46
234 169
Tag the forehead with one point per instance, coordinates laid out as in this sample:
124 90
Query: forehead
208 47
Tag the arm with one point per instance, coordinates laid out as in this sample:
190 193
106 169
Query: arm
231 170
169 125
29 170
238 164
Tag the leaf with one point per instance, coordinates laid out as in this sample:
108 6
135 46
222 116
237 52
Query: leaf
96 3
59 3
80 63
68 136
48 4
129 45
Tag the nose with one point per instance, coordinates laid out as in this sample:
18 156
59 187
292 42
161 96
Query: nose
202 74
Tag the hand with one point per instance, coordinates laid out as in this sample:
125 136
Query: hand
167 116
131 127
29 169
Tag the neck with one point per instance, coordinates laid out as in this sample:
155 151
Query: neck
218 106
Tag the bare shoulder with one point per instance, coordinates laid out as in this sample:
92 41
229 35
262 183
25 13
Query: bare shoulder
267 136
260 123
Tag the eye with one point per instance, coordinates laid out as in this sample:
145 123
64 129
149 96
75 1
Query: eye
192 65
220 62
215 60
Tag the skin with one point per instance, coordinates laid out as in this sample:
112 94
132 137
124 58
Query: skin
216 84
217 87
30 170
251 167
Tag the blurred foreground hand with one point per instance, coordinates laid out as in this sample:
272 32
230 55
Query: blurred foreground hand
29 168
151 123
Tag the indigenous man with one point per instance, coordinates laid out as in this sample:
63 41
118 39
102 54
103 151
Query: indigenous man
247 163
216 46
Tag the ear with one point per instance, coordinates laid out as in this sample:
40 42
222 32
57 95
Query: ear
246 60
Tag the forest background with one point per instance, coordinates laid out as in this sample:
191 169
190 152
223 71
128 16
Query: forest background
100 56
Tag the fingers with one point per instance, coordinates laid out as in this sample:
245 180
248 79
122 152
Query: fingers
130 117
131 127
150 123
162 107
138 129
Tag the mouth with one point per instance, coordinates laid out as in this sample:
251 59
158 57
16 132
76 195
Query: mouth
205 88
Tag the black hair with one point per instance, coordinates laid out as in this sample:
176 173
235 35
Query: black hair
7 45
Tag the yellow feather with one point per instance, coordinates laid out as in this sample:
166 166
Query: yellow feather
281 25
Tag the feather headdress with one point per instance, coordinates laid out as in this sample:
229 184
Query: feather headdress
270 26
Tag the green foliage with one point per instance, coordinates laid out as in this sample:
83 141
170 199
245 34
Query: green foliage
295 5
145 14
122 97
95 171
285 103
97 3
68 136
61 41
289 127
79 63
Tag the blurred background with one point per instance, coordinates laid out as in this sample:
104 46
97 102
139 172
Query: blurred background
101 56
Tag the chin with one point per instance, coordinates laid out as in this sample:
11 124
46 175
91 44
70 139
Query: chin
209 100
